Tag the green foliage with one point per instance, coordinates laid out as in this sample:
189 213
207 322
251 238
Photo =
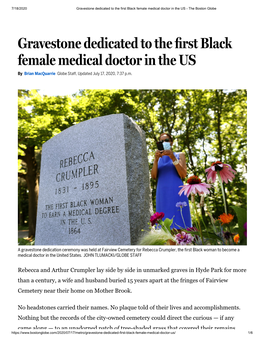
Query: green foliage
242 219
42 117
167 224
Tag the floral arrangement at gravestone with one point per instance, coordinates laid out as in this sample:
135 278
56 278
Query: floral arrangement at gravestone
221 231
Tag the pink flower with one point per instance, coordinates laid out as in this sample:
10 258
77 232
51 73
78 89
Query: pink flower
245 229
155 217
184 238
194 186
225 171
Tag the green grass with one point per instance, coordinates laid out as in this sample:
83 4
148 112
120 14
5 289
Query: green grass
23 241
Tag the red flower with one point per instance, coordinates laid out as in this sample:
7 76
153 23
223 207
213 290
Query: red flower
155 217
236 238
226 218
193 180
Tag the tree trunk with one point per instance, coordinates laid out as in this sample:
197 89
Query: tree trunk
32 186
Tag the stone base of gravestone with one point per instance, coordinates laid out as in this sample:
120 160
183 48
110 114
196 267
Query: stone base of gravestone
94 184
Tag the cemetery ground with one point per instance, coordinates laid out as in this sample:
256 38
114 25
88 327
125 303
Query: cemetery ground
23 238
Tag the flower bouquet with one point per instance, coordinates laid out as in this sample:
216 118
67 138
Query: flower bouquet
161 232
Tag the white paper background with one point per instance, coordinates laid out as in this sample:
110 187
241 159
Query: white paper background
240 67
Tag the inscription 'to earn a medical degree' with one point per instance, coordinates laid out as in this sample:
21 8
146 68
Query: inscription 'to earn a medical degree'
77 172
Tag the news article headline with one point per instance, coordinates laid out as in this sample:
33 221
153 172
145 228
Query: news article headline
104 43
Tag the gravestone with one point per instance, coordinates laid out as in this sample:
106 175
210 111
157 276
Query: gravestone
94 184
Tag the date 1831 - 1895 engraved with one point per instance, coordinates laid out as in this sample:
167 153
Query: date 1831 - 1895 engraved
85 186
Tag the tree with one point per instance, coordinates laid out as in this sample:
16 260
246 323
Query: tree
39 119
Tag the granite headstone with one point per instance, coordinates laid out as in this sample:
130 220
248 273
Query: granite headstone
94 184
